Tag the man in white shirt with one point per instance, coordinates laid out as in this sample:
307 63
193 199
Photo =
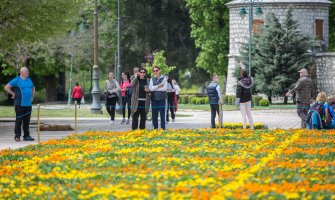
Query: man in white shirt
158 88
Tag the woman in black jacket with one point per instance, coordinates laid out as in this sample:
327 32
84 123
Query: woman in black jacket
243 97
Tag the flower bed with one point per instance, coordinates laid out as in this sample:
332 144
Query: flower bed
192 164
235 125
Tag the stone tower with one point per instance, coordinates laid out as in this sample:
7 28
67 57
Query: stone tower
312 15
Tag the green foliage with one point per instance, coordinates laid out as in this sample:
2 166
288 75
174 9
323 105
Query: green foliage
206 100
160 61
194 100
30 21
256 99
264 102
39 96
225 99
190 97
210 29
155 25
231 100
184 99
279 51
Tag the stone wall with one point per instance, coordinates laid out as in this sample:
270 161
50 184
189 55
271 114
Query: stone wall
305 12
325 71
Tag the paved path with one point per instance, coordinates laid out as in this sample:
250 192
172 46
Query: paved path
199 119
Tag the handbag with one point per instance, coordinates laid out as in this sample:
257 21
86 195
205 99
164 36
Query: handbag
109 95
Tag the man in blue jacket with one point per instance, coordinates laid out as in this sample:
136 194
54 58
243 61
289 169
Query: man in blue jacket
215 99
23 94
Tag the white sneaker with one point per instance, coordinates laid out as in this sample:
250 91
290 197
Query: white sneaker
123 121
173 120
112 122
128 121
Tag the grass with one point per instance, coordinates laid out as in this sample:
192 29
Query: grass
53 111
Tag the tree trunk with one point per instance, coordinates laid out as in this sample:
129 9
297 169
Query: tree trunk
270 99
50 88
285 99
61 93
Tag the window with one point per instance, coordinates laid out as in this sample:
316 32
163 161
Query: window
319 29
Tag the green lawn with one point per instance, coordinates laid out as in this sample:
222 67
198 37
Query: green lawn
53 111
58 111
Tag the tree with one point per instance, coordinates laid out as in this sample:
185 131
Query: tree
161 24
29 21
279 51
157 58
210 29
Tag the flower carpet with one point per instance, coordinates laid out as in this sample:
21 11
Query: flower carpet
174 164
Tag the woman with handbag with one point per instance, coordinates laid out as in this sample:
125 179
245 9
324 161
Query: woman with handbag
112 89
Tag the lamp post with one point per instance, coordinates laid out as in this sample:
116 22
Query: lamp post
119 67
70 83
243 12
96 104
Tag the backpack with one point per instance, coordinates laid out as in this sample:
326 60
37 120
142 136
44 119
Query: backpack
316 116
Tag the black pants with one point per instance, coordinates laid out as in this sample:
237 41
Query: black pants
125 100
214 110
23 114
110 107
78 101
170 104
139 112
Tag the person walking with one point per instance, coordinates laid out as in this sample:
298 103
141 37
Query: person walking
304 93
112 90
126 97
158 88
23 95
244 96
215 98
77 94
176 88
140 100
170 100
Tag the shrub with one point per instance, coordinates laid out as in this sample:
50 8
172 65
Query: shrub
184 99
203 100
206 100
198 100
231 100
39 96
194 100
190 97
225 99
264 102
256 100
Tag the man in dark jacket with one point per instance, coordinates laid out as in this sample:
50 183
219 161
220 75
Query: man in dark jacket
215 98
304 95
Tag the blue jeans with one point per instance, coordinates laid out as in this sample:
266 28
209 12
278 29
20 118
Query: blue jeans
161 107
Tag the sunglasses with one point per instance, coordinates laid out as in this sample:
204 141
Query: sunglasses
156 70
